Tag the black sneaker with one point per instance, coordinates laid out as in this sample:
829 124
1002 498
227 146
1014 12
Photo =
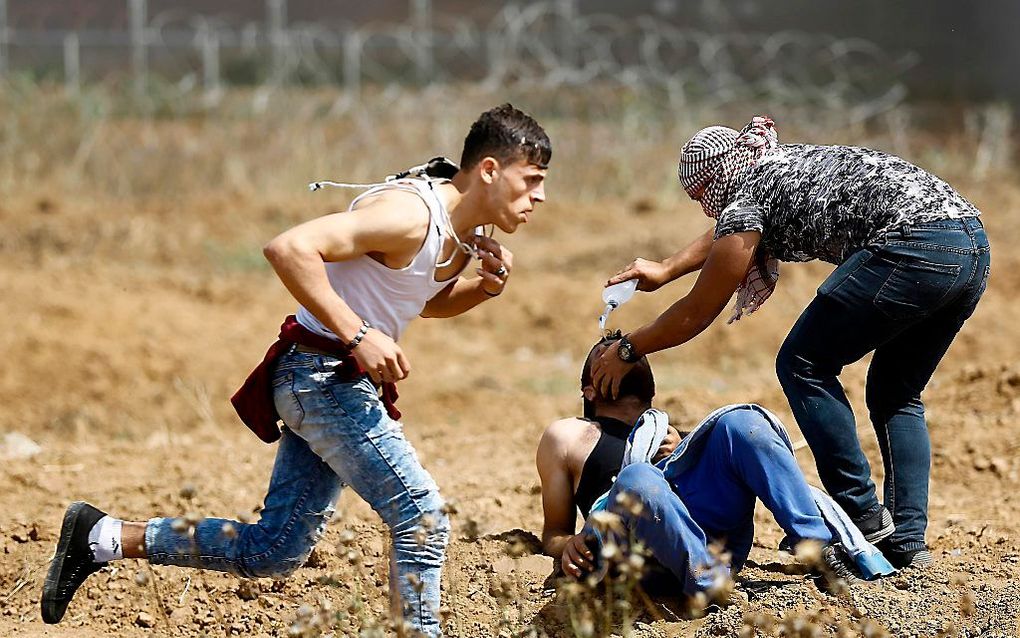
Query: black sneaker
906 559
878 526
73 561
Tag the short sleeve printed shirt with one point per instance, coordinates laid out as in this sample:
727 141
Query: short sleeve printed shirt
826 202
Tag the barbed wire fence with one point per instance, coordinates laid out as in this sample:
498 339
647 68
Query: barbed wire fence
545 45
655 72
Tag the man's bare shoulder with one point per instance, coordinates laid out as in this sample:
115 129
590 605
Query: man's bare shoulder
568 427
562 435
394 222
396 208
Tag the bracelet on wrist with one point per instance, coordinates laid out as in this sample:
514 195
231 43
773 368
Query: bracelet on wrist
353 343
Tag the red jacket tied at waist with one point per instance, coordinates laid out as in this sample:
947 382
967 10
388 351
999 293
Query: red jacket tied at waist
254 400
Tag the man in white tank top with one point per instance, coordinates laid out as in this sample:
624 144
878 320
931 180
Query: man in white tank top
359 277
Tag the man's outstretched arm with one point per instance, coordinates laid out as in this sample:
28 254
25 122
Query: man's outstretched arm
652 275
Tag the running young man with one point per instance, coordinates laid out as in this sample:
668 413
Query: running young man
360 277
913 260
741 458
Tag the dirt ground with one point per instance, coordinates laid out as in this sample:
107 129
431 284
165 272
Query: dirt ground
129 324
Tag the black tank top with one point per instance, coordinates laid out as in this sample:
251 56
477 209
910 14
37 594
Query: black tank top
603 464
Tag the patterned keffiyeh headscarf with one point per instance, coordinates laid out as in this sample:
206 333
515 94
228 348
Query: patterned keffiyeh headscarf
711 163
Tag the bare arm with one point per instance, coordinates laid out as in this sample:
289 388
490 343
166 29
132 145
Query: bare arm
691 257
558 537
391 225
724 269
726 266
652 275
558 507
465 293
461 295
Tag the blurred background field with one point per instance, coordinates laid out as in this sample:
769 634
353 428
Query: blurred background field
148 150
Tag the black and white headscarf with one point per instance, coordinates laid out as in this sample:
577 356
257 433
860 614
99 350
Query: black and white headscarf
711 164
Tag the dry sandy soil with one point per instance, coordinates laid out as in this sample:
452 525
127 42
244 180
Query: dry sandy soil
129 323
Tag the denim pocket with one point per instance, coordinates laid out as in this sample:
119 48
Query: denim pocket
915 288
285 399
845 271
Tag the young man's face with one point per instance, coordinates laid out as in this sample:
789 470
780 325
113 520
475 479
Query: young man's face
514 191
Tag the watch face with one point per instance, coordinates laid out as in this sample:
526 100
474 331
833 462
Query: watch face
626 351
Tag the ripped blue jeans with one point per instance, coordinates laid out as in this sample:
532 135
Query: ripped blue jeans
337 434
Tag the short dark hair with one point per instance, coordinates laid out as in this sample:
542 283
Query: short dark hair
638 383
507 134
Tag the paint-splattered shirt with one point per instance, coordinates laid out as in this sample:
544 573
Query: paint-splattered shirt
826 202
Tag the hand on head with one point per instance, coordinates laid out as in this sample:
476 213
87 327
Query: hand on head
608 371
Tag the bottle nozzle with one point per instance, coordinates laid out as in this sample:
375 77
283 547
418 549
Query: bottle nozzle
605 315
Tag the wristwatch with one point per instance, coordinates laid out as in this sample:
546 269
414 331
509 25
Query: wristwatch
626 351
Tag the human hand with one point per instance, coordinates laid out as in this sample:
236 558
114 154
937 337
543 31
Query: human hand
497 262
668 444
381 357
577 559
608 370
651 275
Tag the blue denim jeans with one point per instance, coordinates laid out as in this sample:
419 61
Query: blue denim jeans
337 434
743 459
904 300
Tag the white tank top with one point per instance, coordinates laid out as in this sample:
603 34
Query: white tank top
389 298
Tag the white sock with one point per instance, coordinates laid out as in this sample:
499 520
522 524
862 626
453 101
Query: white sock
105 541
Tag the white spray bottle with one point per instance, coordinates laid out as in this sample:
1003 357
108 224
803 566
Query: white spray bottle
615 296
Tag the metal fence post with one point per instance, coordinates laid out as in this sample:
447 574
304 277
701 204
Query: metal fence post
210 45
421 24
72 63
276 15
4 35
567 28
352 64
137 14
